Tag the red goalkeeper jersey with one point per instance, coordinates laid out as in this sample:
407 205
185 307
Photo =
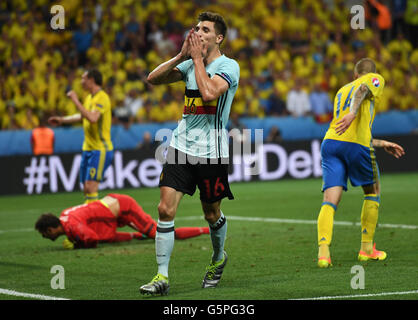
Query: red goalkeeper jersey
87 224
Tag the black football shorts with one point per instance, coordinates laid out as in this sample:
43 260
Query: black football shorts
184 174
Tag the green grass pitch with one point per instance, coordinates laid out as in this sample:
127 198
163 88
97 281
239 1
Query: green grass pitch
268 259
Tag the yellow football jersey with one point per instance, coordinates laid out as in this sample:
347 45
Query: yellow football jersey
97 135
360 130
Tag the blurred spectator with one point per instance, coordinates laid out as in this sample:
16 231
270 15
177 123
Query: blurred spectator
83 40
383 19
122 114
121 39
23 98
276 105
155 34
42 138
274 136
98 12
16 61
166 46
146 144
174 30
133 24
236 128
144 114
400 49
277 44
299 45
298 104
162 111
398 17
264 81
253 106
133 102
30 121
321 105
411 20
404 101
8 121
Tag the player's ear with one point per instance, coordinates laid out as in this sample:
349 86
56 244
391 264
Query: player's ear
219 39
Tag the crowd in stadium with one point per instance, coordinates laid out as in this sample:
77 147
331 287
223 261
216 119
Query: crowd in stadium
293 55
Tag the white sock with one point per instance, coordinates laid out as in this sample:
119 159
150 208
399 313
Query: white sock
218 235
164 243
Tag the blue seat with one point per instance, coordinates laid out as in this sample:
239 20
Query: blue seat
68 139
392 123
16 142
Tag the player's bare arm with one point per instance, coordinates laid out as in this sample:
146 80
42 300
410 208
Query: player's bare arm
210 88
390 147
167 72
56 121
358 98
92 116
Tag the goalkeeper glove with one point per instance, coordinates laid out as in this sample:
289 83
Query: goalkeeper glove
67 244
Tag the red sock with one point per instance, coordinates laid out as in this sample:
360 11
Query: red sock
127 236
190 232
122 236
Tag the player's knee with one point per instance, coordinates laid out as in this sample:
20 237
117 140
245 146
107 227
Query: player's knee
372 188
333 195
212 211
212 215
165 212
91 186
378 188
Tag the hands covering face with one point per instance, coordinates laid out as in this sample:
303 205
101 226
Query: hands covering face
193 46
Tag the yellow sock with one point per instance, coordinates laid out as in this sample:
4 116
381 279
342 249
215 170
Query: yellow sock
326 223
323 251
90 197
369 215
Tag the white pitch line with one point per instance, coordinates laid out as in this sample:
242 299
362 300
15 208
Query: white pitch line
18 230
297 221
361 295
29 295
274 220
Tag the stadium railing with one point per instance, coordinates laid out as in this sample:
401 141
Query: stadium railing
17 142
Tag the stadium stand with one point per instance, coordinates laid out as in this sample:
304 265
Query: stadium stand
278 43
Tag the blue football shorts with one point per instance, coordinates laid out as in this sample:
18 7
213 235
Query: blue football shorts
346 160
94 164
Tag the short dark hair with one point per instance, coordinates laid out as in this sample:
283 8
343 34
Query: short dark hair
46 221
365 65
95 75
220 24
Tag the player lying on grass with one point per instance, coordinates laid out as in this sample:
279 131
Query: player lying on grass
88 224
